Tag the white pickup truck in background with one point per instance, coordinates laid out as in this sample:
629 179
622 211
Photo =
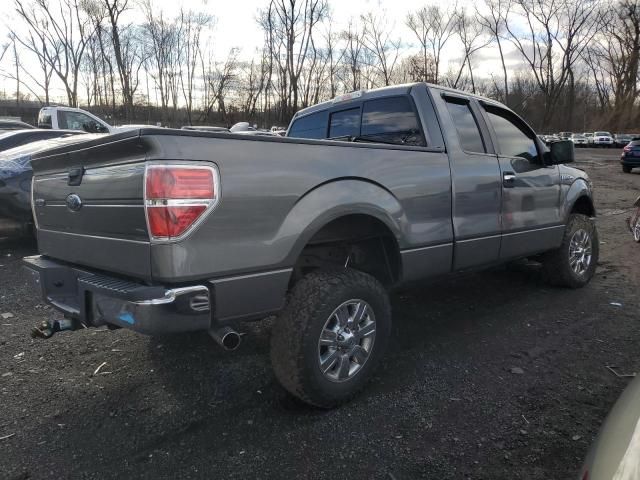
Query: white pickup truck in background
68 118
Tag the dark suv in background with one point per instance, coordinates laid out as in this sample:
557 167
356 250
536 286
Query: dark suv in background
630 157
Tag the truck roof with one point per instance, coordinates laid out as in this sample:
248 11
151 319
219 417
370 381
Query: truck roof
385 92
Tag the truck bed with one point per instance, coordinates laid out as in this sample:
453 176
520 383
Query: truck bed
270 203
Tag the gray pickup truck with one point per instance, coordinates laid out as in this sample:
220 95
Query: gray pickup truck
164 231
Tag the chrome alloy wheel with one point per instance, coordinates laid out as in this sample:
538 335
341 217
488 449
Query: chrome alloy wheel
346 340
580 252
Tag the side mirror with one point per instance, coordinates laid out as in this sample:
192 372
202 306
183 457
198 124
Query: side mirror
560 152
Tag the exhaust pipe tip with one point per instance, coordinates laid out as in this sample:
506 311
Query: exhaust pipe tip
226 337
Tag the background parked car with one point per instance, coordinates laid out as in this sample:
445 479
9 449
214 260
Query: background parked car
602 139
579 140
242 127
565 135
623 139
16 138
549 139
589 137
67 118
630 157
615 455
15 183
7 124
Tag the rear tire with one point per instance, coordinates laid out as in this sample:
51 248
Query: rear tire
574 263
626 169
331 335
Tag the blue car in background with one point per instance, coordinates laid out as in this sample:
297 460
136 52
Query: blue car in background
15 183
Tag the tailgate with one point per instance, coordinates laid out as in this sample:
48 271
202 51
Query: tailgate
88 204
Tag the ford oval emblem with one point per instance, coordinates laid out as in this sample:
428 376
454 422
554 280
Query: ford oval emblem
74 202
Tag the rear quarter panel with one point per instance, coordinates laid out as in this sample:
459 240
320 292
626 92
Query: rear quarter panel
277 192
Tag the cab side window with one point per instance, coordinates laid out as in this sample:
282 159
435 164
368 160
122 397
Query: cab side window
513 140
73 120
466 125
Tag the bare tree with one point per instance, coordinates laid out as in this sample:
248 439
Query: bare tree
123 46
193 26
613 59
433 26
493 20
353 55
470 34
254 83
334 58
63 33
161 38
290 25
557 33
221 81
383 49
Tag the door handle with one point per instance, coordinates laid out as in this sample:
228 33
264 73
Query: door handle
508 179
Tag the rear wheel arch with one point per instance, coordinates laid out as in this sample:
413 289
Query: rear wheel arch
343 212
362 241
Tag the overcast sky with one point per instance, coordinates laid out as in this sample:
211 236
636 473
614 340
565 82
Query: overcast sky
235 26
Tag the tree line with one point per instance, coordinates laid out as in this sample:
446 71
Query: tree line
564 64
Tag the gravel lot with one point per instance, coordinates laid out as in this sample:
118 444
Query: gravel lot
445 404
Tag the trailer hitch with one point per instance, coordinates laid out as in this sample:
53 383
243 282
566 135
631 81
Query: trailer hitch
46 329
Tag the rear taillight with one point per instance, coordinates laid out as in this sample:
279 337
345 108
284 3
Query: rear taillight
177 197
627 148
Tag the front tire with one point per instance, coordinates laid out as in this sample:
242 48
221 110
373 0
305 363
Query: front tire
331 335
574 263
635 230
626 169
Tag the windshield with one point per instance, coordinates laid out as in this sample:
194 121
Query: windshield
602 134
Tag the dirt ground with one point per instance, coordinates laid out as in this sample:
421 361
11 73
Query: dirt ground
445 403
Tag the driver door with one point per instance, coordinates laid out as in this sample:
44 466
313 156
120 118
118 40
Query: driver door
530 211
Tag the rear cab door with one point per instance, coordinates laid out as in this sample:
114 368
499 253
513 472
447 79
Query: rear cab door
476 180
399 128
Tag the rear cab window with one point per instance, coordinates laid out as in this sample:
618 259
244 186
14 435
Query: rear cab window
345 123
387 120
393 120
313 126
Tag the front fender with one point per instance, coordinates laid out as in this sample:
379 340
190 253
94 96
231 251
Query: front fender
336 199
571 193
